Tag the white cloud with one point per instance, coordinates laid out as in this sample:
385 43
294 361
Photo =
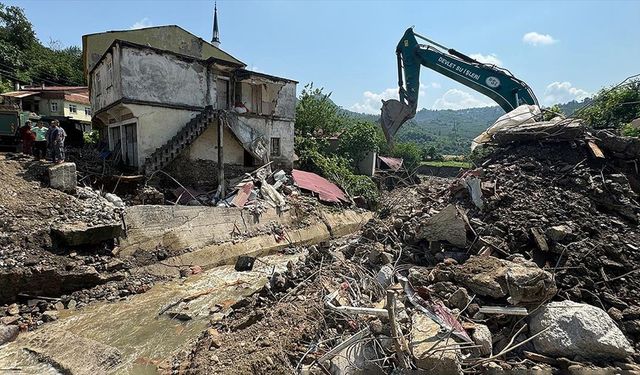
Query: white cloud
562 92
535 39
256 69
372 102
458 99
435 85
487 59
145 22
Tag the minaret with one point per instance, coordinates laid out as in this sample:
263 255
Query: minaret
216 34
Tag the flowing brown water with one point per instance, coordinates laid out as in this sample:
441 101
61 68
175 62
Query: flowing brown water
84 341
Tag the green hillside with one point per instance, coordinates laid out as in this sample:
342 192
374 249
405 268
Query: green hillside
451 131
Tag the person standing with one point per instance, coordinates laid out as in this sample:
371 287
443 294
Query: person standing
40 145
27 137
56 137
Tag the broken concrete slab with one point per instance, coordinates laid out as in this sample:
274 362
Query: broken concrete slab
558 233
447 225
578 330
63 177
433 351
79 233
523 281
539 239
482 336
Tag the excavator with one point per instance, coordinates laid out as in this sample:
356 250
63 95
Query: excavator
488 79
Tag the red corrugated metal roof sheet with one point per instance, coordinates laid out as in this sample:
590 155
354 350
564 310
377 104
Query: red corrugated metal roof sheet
77 98
393 163
326 190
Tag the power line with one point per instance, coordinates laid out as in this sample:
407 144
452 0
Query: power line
57 81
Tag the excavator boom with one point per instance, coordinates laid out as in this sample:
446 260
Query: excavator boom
495 82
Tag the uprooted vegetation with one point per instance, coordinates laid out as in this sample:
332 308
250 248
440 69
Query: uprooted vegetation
541 278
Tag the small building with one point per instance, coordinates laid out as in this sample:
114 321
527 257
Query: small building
161 94
54 102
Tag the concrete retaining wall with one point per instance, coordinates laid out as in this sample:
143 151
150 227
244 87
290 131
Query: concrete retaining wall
181 227
208 232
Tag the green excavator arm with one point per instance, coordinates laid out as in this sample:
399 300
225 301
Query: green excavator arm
497 83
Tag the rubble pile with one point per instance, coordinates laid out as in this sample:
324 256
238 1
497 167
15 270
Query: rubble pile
262 189
52 243
29 212
526 264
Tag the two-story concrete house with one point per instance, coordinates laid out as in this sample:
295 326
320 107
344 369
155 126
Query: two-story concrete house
162 93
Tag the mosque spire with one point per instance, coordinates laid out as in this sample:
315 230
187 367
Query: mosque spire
216 33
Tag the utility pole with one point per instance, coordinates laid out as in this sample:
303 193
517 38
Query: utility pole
220 155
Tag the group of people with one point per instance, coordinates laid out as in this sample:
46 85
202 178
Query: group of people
40 140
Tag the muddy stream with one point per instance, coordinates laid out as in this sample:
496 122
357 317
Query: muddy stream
129 337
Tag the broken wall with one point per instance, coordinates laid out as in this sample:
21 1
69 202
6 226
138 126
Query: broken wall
270 128
106 87
286 104
167 79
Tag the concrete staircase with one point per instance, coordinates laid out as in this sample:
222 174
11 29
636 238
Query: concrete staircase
185 137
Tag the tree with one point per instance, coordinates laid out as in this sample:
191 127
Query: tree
431 152
551 113
358 138
15 28
613 107
316 114
409 152
23 58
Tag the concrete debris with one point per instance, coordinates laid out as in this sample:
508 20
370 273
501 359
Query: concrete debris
521 280
384 277
473 184
79 233
578 331
482 337
63 177
558 233
434 351
447 225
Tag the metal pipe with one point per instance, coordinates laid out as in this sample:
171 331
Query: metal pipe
430 41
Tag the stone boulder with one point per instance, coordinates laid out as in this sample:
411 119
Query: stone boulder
8 333
578 330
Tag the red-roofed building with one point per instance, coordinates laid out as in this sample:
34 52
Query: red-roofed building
59 102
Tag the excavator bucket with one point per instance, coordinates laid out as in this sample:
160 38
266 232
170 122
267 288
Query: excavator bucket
394 114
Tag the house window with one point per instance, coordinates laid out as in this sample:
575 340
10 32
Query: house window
73 108
54 107
87 111
98 84
275 146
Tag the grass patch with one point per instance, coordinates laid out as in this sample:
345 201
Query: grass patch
447 163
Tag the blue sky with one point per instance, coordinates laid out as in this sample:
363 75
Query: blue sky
562 49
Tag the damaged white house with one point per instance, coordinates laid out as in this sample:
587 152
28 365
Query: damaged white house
163 92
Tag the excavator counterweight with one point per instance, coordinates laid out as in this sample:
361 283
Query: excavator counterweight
495 82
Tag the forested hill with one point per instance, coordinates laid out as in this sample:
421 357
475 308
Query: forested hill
451 131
